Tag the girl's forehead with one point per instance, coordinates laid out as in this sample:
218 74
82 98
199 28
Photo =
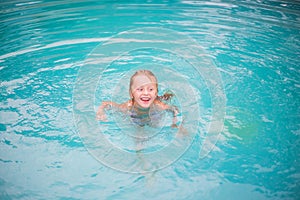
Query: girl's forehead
142 80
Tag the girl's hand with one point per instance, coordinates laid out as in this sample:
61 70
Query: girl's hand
101 111
101 116
174 122
174 126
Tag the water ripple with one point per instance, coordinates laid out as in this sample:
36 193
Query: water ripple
255 45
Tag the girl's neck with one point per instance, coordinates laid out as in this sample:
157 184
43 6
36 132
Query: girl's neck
140 109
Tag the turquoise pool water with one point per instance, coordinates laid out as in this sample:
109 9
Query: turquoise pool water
48 47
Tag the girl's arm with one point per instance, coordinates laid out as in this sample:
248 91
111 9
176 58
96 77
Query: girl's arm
101 110
170 108
175 112
108 105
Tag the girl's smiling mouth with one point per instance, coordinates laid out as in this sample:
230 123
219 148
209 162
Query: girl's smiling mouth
145 99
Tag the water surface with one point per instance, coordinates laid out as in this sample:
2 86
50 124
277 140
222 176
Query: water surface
253 44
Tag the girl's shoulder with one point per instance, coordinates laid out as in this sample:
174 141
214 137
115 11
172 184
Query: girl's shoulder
129 103
124 106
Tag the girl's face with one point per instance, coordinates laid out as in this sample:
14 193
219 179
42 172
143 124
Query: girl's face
143 91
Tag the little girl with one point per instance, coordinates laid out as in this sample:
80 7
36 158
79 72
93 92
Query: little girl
143 91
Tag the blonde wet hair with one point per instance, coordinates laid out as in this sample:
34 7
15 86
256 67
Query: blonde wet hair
146 73
151 77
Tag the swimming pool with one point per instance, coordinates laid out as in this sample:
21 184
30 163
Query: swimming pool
254 47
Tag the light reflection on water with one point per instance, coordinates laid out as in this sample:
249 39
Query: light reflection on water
255 46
